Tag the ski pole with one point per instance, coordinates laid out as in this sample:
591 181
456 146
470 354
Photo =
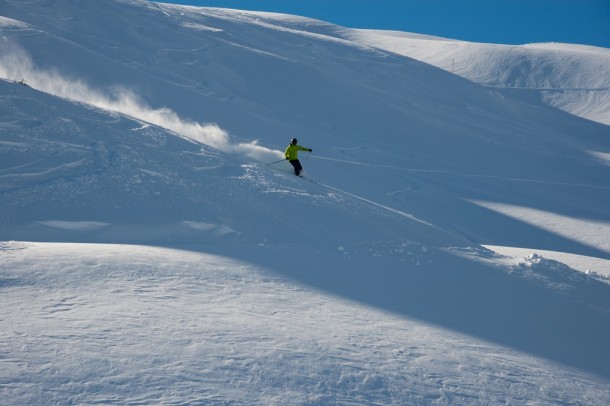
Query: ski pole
271 163
309 153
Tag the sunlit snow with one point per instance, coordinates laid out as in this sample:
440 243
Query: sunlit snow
446 245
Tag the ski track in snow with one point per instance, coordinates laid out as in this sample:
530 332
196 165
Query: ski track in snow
391 210
465 175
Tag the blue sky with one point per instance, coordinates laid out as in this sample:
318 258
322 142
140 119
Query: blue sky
495 21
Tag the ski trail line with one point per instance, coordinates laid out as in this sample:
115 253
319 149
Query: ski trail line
395 211
465 175
400 213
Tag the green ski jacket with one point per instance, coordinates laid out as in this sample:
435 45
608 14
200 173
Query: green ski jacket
292 152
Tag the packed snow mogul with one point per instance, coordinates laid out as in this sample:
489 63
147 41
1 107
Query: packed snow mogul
292 155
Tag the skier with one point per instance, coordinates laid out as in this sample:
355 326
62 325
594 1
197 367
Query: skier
292 155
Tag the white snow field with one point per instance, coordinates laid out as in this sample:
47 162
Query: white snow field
574 78
448 243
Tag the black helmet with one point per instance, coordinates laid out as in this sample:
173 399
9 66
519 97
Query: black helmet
293 141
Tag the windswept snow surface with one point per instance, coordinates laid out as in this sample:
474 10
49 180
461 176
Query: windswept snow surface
151 256
92 323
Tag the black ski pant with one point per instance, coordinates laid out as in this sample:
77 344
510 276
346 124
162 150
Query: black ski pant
297 166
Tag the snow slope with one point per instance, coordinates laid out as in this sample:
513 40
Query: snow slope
171 265
127 324
573 78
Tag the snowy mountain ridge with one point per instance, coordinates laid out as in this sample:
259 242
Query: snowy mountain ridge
573 78
448 245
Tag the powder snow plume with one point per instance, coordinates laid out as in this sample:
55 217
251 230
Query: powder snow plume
16 65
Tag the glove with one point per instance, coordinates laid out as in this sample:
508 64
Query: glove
310 150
